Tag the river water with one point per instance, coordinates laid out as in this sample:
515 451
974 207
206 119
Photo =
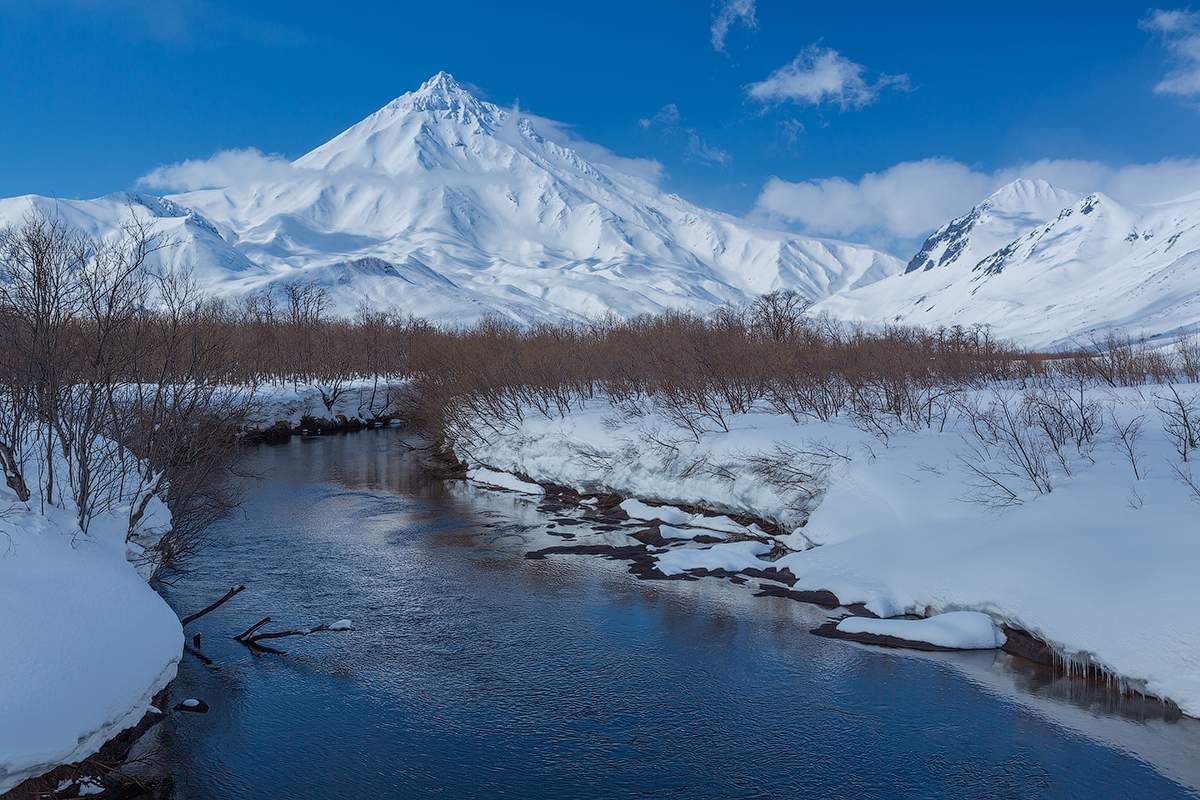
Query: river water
474 672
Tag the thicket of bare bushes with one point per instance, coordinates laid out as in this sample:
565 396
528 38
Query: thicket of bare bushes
99 349
107 401
699 371
120 383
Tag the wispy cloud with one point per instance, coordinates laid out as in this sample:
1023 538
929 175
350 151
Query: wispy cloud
730 13
669 120
667 115
1180 32
821 75
225 168
790 131
912 198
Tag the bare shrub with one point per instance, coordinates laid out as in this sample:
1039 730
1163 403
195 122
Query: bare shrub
799 473
1181 420
1128 435
1187 357
1006 452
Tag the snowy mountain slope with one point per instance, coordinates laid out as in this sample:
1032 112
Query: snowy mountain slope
463 208
190 241
448 207
1007 213
1092 266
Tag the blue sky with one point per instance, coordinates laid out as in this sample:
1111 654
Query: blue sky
97 93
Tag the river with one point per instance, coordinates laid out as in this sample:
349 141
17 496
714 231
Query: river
475 672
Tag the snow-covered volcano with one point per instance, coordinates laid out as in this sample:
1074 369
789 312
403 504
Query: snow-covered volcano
449 207
1048 268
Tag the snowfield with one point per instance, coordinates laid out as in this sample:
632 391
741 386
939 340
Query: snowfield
1101 567
85 643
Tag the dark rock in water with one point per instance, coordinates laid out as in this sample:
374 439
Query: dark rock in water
818 597
192 706
775 574
651 536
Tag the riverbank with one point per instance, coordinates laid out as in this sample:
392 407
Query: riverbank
1097 566
85 643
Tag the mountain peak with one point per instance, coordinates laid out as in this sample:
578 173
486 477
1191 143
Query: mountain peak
440 91
1027 193
1013 209
441 82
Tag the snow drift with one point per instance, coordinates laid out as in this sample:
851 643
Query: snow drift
85 643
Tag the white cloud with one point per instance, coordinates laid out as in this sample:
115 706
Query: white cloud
912 198
823 75
224 168
668 119
730 13
1180 32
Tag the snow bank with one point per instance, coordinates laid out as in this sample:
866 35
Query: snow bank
1101 568
364 398
962 630
502 480
85 643
592 449
671 532
671 515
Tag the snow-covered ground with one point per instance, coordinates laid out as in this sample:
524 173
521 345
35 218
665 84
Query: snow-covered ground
85 643
1101 566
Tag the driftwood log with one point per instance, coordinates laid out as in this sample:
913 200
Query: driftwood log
254 640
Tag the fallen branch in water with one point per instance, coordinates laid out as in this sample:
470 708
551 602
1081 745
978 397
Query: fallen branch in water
224 599
254 640
340 626
241 637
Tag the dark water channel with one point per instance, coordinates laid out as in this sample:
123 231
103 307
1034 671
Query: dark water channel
475 672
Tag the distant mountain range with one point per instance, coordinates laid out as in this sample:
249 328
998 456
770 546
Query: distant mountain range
452 208
1047 268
